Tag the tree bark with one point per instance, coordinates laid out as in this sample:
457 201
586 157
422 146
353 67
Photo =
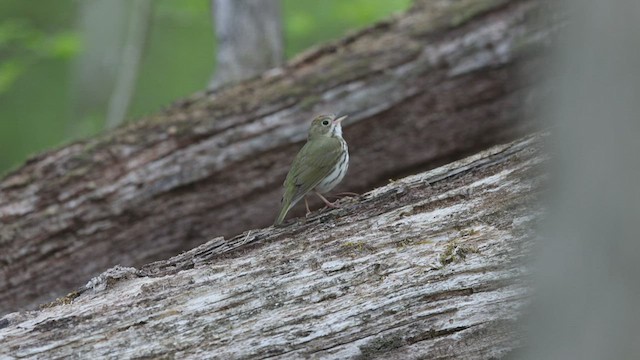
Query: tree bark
429 266
421 89
249 39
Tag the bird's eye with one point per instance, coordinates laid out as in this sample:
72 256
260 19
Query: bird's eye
325 122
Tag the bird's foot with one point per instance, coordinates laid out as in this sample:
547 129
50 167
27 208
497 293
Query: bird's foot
332 205
347 193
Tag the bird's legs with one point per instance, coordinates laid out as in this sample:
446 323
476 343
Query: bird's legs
327 202
307 205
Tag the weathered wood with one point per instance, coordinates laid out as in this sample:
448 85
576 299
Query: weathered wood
427 267
421 89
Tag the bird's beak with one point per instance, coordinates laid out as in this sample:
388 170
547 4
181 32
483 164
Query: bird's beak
339 120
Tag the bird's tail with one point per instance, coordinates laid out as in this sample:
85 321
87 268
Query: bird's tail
283 212
288 201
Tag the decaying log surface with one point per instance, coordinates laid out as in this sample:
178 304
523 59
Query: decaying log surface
429 267
421 89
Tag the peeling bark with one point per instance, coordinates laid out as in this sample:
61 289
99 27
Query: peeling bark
421 89
429 266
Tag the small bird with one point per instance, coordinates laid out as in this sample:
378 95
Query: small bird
319 166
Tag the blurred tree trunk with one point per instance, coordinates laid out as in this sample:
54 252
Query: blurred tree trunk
102 26
421 89
589 288
249 38
104 75
427 267
130 58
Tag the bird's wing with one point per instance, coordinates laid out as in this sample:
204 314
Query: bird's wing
313 163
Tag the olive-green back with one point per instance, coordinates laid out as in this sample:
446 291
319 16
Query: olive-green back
314 162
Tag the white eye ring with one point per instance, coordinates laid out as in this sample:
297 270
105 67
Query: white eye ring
325 122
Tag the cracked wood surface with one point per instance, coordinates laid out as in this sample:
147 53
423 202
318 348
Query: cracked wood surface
421 89
426 267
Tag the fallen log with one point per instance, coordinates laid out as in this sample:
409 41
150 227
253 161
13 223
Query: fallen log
429 266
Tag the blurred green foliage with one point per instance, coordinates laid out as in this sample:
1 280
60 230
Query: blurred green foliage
39 41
